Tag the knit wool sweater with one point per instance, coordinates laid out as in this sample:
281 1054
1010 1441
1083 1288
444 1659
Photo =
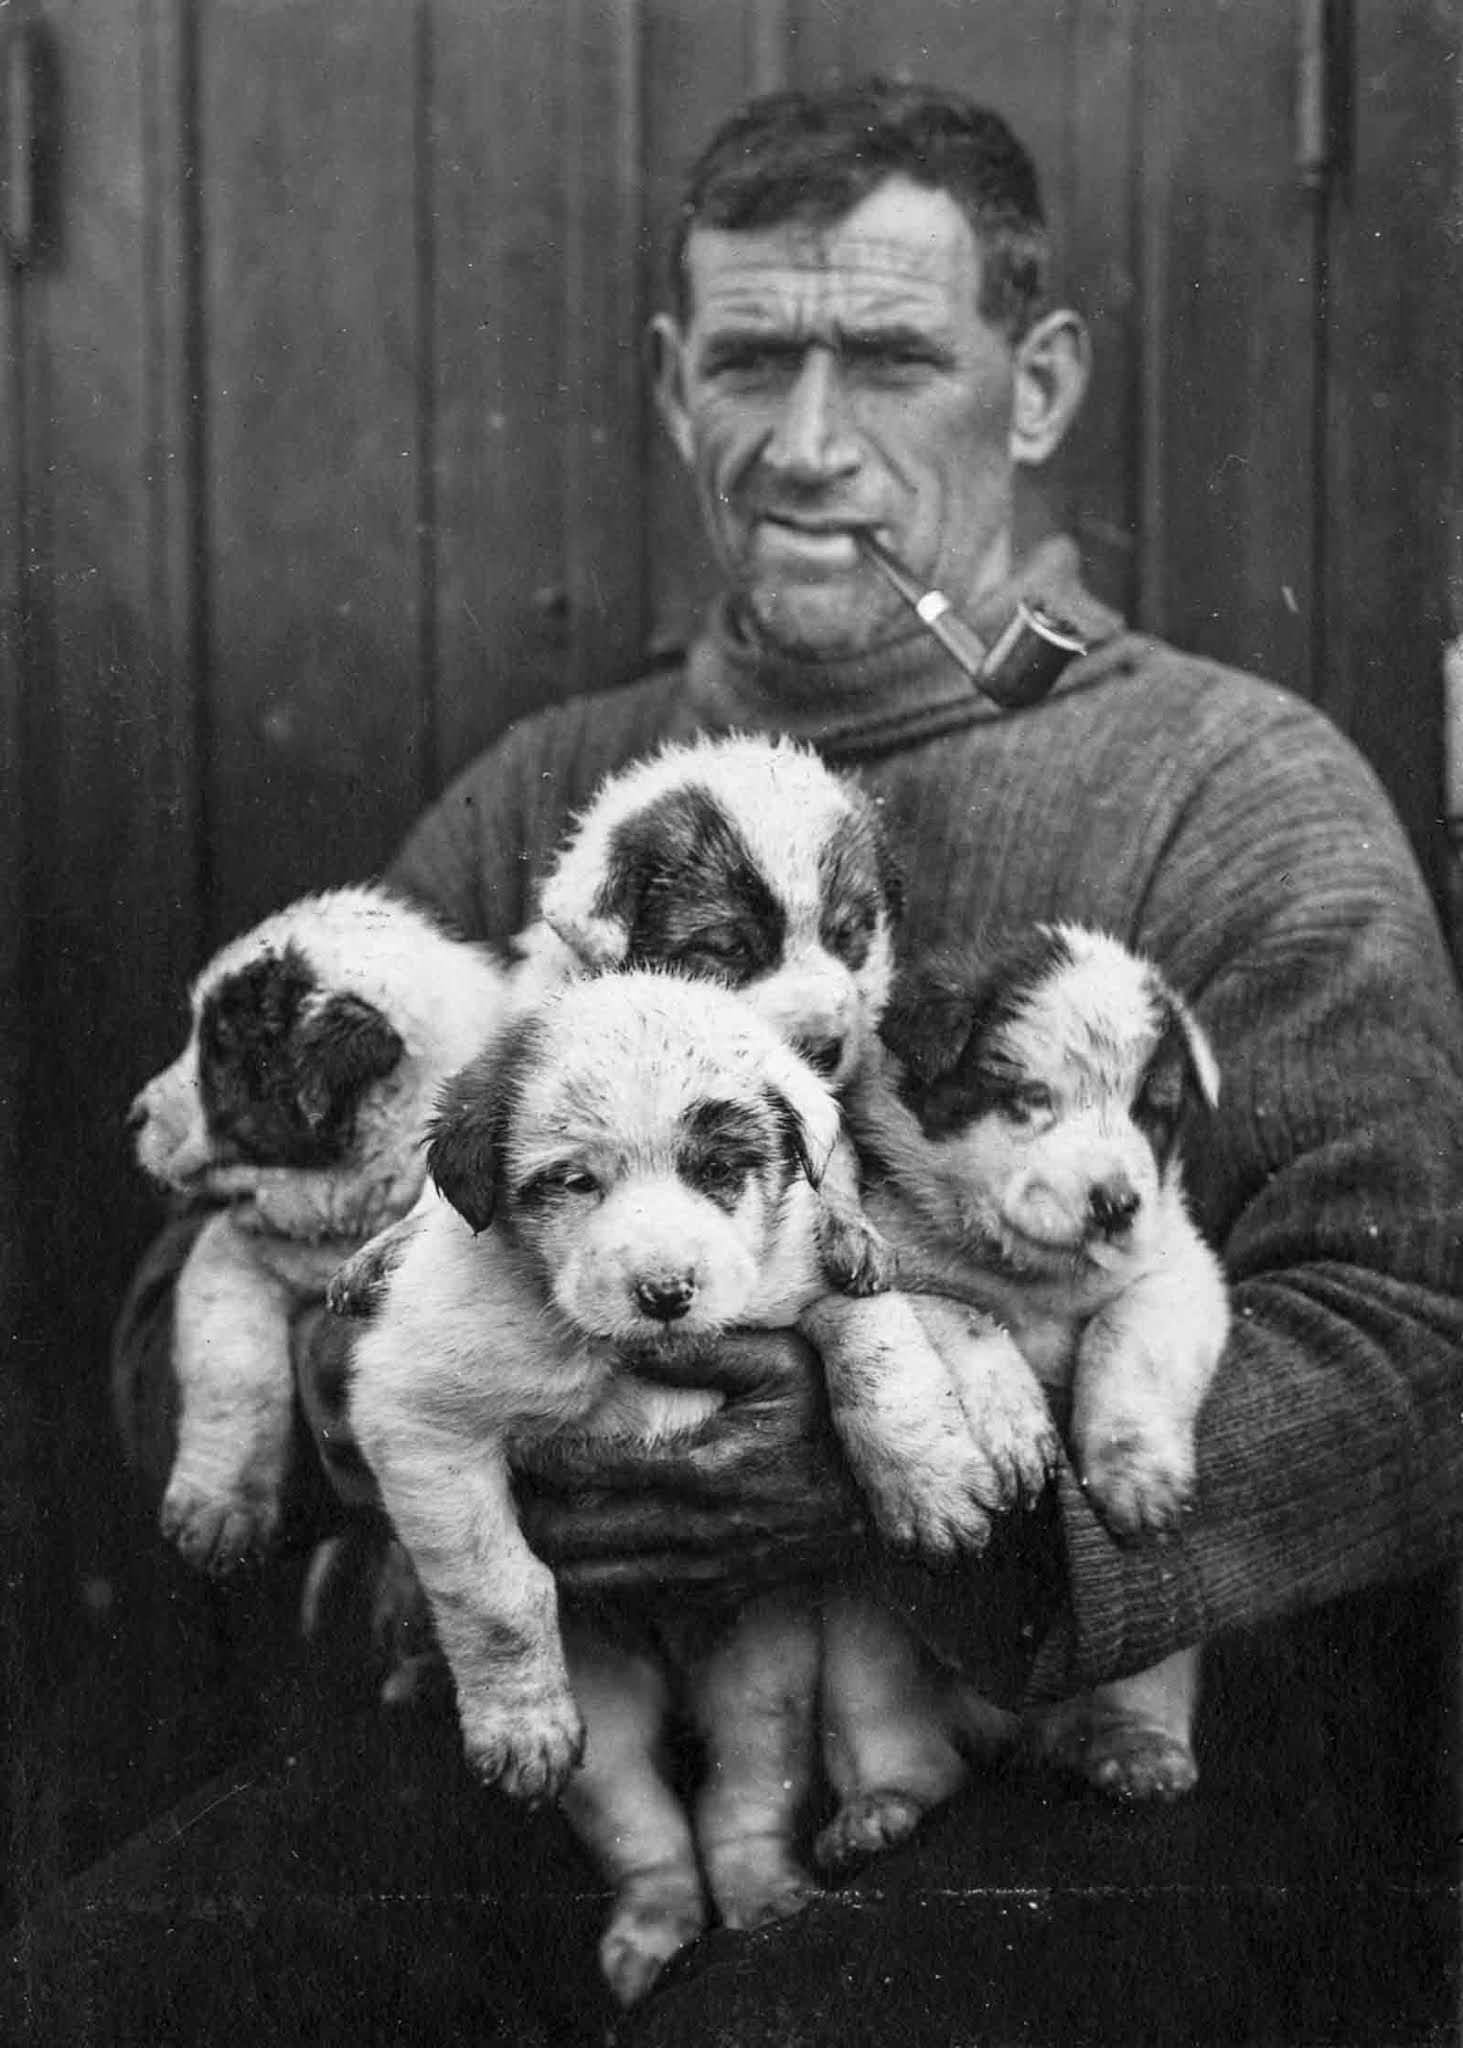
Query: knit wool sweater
1223 826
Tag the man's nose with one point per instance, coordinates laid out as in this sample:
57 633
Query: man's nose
814 439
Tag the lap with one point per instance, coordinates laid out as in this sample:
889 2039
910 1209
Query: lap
355 1885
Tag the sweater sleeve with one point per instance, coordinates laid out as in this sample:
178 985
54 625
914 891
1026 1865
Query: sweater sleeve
1331 1444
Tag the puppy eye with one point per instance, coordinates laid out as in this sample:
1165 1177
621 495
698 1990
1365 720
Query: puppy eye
720 1172
578 1182
1029 1103
722 952
849 940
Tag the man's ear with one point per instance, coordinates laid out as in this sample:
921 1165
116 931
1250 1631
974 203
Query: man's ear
667 350
1053 364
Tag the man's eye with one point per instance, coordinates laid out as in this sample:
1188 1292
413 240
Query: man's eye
890 358
751 359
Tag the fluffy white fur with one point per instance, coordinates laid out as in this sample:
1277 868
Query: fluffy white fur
285 1229
941 1418
488 1341
786 805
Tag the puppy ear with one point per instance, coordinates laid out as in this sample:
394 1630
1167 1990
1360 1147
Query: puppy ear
806 1110
1201 1066
588 901
468 1136
338 1052
927 1024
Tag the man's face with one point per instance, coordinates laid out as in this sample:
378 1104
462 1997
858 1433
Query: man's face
841 377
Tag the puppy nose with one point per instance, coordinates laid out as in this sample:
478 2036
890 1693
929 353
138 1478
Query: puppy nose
822 1053
1113 1207
665 1299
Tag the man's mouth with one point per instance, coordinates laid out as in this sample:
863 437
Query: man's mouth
830 540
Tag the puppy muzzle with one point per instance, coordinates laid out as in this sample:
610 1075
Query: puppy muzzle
171 1140
818 1011
647 1268
1082 1200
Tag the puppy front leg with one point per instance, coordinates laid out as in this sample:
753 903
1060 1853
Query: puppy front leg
1144 1365
855 1258
231 1355
623 1808
930 1480
492 1600
755 1701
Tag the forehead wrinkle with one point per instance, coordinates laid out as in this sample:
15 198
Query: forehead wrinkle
900 286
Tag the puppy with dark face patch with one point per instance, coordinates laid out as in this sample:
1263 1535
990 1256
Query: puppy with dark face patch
1028 1143
746 861
629 1173
317 1045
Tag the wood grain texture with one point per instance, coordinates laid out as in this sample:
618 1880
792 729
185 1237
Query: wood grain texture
1226 365
1394 512
100 858
313 362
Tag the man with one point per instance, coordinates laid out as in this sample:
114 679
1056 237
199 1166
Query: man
861 340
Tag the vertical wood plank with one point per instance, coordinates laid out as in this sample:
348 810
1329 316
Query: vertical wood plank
1227 292
606 284
107 738
1094 223
1395 360
311 325
496 215
102 855
701 59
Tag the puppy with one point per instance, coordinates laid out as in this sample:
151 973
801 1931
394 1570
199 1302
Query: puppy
1028 1144
317 1045
646 1151
744 861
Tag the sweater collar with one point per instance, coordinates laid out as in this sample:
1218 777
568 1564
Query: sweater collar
732 682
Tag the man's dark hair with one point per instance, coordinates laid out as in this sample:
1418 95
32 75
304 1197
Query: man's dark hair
812 156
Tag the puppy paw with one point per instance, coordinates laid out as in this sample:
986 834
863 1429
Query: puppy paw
528 1752
357 1287
935 1509
866 1826
217 1532
1142 1490
756 1897
653 1919
1118 1756
1005 1410
855 1258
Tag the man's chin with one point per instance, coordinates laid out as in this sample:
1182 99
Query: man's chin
814 623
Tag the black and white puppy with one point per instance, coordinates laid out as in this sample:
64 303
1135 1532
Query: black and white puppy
317 1044
742 860
1028 1143
647 1152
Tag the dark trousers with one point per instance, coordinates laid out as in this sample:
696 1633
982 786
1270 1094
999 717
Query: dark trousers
346 1882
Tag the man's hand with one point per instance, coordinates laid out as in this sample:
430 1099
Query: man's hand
759 1493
